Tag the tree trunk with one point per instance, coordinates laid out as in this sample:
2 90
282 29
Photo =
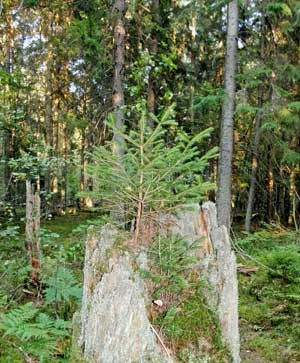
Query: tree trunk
258 120
254 161
226 139
33 247
153 45
64 171
192 82
293 203
48 126
270 186
118 92
56 142
119 60
114 296
2 166
7 135
82 168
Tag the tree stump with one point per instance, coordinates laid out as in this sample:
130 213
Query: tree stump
32 229
114 326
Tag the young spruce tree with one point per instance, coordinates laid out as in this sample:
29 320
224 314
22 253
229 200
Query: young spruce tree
160 170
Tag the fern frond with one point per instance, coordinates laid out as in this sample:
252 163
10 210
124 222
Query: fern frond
37 333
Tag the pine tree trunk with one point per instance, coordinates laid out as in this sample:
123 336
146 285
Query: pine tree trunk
118 92
119 60
8 100
153 46
2 166
64 171
258 120
293 203
254 162
48 126
82 169
226 139
193 71
270 186
56 141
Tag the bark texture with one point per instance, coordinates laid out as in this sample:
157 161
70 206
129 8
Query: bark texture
218 264
119 59
153 48
2 168
226 138
114 323
33 206
254 163
257 133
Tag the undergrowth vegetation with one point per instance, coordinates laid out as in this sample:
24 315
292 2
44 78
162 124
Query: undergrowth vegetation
35 321
270 297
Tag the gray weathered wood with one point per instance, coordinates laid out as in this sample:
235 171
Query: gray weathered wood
114 322
32 229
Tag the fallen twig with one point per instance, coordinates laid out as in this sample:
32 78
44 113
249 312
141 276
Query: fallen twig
160 340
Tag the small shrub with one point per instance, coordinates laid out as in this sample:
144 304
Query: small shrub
171 259
62 291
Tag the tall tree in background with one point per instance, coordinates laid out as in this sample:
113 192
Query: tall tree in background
226 139
63 70
153 44
257 134
119 63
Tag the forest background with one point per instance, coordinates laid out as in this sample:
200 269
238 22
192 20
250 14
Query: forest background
66 66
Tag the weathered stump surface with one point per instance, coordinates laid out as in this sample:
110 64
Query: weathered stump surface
218 264
114 323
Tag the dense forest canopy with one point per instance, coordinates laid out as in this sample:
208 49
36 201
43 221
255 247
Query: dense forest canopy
65 65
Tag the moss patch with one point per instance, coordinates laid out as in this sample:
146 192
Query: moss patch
270 298
191 324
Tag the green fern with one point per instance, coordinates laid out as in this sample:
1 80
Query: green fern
35 332
62 287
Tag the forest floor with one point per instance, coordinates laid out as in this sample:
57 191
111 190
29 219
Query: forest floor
269 295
